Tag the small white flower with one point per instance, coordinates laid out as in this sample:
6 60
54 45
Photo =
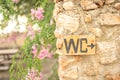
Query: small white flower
22 19
36 27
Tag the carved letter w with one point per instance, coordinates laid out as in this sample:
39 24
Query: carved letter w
71 43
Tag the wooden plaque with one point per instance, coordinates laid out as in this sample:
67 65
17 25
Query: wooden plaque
79 45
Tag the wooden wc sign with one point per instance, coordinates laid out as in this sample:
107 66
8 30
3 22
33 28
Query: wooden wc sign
79 45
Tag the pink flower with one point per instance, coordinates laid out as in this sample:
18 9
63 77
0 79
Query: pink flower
37 78
34 50
33 74
16 1
49 56
38 14
31 33
41 76
40 9
33 11
43 54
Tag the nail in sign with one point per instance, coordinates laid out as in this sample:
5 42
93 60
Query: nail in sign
79 45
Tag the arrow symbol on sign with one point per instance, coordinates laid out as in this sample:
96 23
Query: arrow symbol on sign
92 45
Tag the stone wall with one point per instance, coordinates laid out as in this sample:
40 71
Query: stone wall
90 17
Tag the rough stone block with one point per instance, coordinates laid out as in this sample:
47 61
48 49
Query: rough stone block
109 1
59 43
59 32
69 5
88 5
110 19
58 8
99 2
108 60
109 51
96 31
70 73
70 23
112 77
88 18
67 61
117 6
91 71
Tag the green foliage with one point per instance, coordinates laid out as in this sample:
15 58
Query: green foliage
20 67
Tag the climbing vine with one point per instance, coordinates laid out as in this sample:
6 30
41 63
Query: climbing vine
39 44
